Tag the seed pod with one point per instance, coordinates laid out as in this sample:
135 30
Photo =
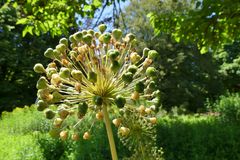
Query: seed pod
129 37
82 109
57 122
135 96
115 66
151 72
64 41
152 85
98 100
139 87
134 57
148 110
63 135
97 34
116 122
90 31
147 62
127 77
38 68
145 52
77 87
99 115
120 101
42 83
124 131
117 34
50 72
105 38
63 113
132 69
152 54
61 48
41 105
64 73
102 27
54 133
87 39
84 32
113 54
153 120
49 114
141 109
77 75
49 53
72 39
73 54
75 137
92 77
52 65
55 80
78 36
57 54
86 135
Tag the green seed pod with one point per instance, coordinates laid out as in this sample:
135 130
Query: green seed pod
87 39
98 100
145 51
73 54
54 133
50 72
42 83
115 66
63 41
129 37
49 53
61 48
82 109
152 54
102 27
41 105
139 87
90 31
84 32
151 72
106 37
57 97
56 54
152 85
133 69
78 36
113 54
117 34
97 34
49 114
63 113
120 101
92 77
77 75
127 77
64 72
72 39
38 68
134 57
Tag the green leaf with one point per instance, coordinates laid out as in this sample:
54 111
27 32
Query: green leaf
22 21
27 29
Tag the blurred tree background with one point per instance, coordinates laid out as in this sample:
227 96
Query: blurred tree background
180 30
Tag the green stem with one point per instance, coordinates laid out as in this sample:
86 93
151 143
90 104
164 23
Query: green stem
110 134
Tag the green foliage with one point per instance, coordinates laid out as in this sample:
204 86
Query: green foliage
198 138
16 62
228 107
210 24
24 135
185 78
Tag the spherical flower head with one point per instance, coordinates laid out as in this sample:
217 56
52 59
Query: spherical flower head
90 71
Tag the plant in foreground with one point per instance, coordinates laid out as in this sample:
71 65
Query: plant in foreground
100 73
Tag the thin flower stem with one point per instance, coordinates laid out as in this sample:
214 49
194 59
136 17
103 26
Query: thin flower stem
110 133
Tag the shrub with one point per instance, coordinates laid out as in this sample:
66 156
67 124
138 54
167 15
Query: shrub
229 107
198 138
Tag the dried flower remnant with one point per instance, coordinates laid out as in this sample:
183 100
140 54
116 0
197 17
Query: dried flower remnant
91 74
